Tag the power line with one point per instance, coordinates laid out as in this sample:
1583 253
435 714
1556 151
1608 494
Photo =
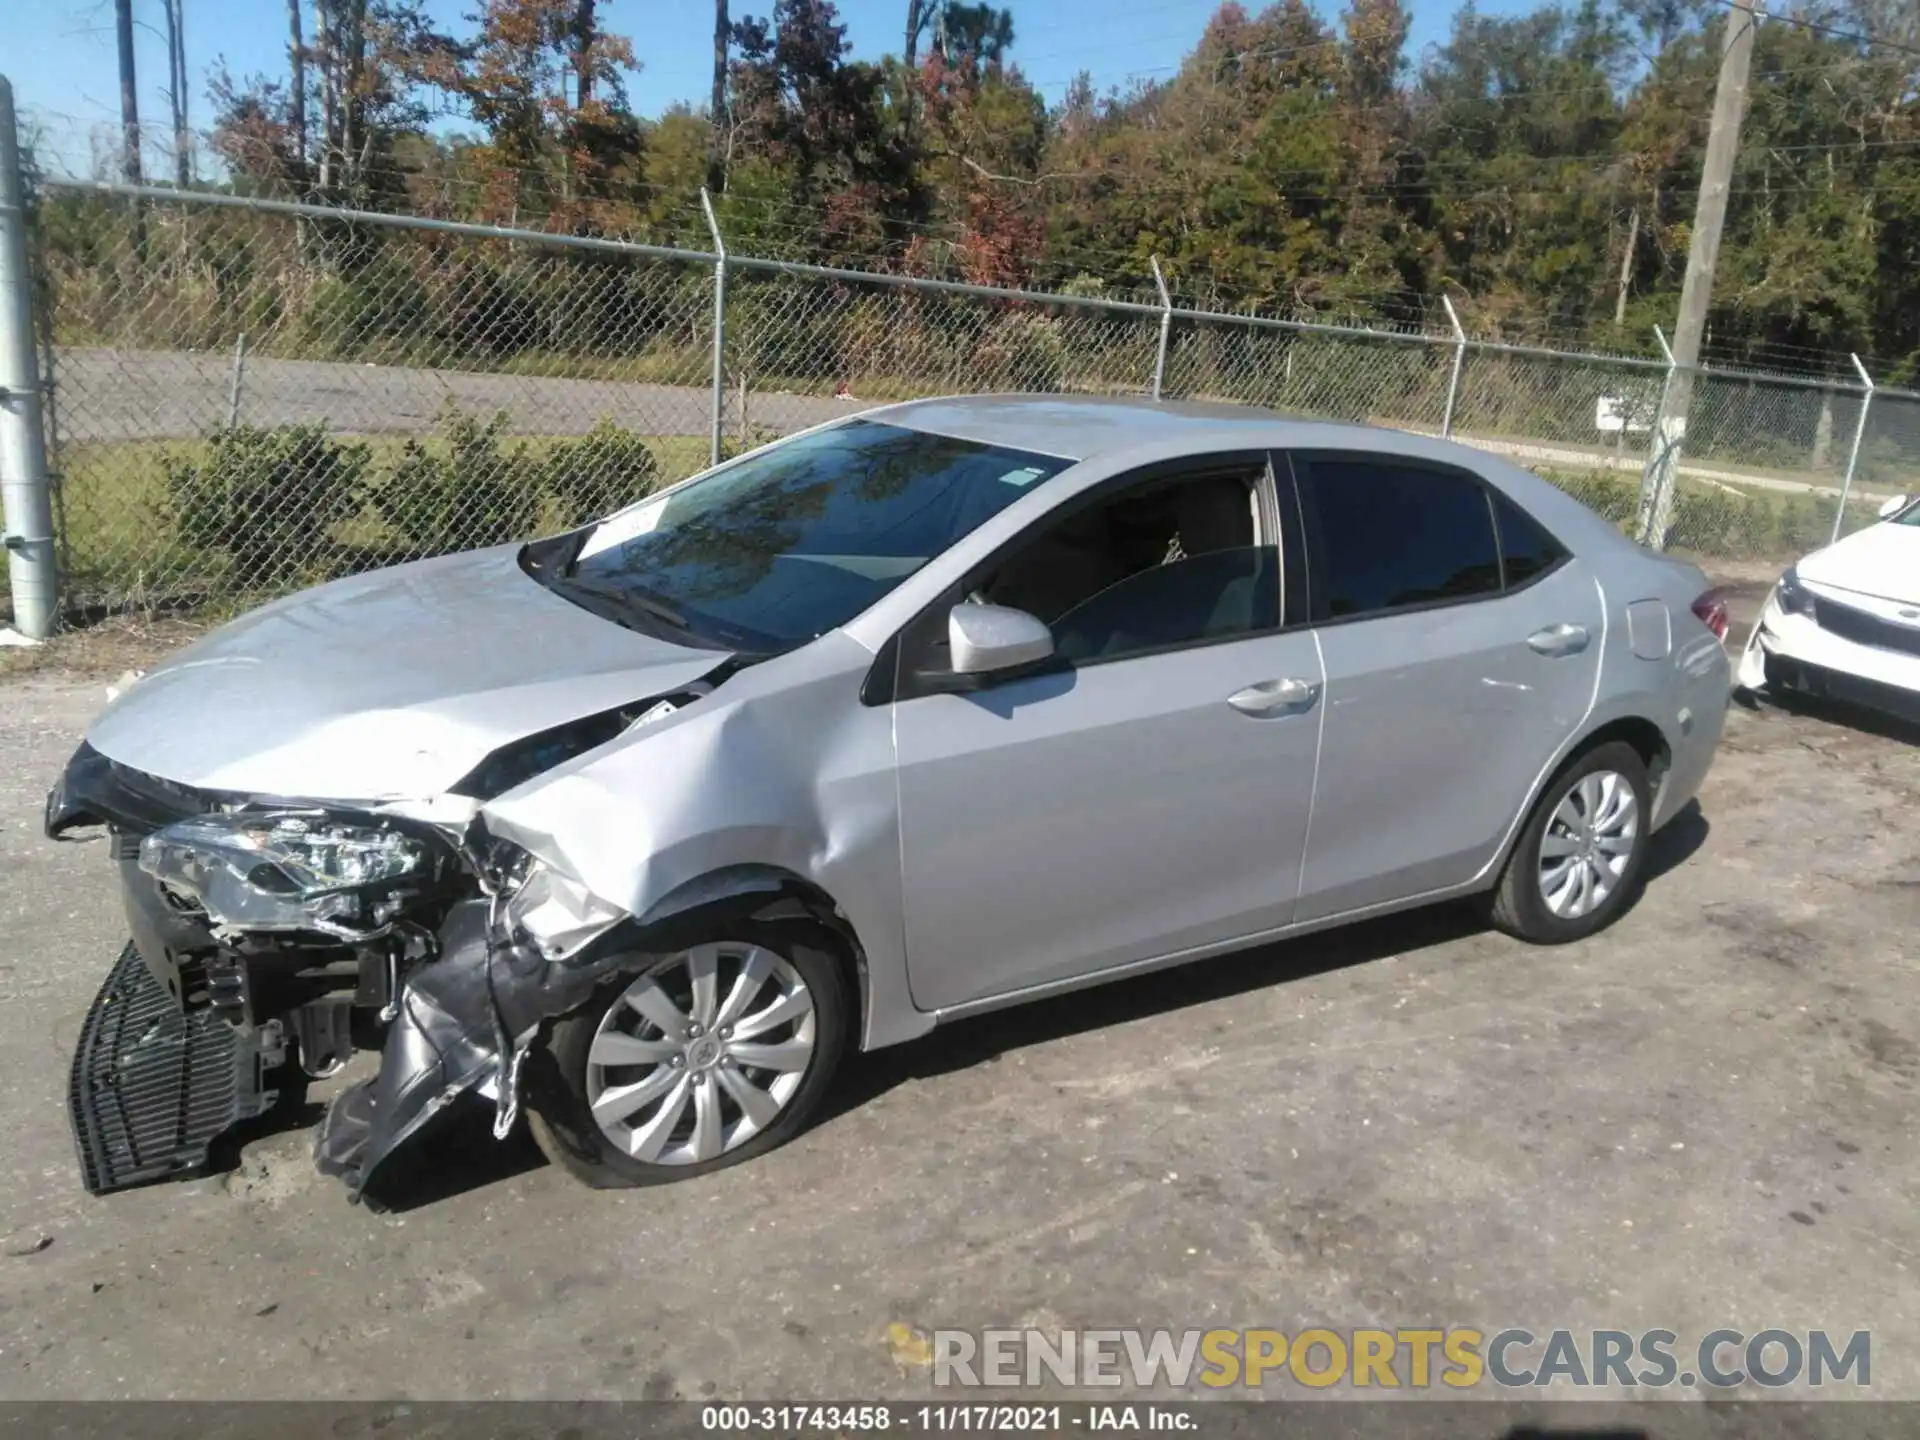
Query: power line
1832 32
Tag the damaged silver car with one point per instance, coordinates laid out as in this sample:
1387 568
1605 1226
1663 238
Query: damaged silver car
924 712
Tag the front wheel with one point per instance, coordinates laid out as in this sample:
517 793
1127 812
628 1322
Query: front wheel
687 1062
1575 866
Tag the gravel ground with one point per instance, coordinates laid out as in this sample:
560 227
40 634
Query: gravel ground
1702 1118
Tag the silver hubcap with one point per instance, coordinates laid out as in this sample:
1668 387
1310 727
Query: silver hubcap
700 1054
1588 843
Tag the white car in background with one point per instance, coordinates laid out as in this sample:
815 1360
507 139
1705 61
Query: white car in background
1845 621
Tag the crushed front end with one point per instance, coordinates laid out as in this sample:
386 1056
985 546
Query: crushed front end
271 939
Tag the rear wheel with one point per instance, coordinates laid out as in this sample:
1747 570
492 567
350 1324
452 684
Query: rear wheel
1578 860
691 1061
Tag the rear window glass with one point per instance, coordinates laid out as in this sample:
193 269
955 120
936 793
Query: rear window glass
1393 535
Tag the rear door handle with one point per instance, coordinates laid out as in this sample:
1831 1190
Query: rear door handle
1276 697
1562 639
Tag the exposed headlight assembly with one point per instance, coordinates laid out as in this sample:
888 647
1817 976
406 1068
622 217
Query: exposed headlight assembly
284 870
1791 595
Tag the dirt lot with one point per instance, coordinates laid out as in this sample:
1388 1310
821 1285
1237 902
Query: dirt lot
1702 1118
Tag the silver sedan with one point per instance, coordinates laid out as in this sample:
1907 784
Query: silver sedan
928 711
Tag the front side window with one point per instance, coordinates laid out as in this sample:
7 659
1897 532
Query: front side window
780 547
1168 563
1392 535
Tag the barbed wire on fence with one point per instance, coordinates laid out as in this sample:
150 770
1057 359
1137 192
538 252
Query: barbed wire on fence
256 394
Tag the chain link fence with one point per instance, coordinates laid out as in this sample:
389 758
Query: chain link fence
247 396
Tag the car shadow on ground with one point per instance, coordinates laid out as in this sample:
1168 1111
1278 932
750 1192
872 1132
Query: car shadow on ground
457 1153
962 1044
1835 712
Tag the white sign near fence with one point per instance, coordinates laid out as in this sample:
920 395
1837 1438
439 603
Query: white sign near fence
1614 414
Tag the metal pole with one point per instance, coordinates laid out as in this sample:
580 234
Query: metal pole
1166 325
1853 456
239 372
1656 484
24 487
719 325
1459 359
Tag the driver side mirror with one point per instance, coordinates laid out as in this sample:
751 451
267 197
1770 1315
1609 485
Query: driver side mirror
989 638
1894 506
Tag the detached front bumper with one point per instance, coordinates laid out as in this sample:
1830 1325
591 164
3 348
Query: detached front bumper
1795 652
153 1086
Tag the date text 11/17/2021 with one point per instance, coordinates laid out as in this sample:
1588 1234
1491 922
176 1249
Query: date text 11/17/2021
841 1419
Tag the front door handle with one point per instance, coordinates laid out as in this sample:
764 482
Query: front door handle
1276 697
1562 639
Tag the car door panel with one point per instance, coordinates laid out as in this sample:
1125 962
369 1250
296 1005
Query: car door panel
1064 823
1461 643
1437 723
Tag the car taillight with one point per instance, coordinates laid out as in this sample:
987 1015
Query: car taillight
1712 610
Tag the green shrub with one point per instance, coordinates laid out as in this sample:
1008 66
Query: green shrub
1714 522
756 436
380 310
603 470
266 499
1612 497
467 493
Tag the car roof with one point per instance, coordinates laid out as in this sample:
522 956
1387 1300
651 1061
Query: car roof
1085 427
1108 433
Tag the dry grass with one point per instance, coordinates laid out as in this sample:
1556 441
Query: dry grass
104 650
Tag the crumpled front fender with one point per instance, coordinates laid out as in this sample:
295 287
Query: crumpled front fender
446 1039
466 1017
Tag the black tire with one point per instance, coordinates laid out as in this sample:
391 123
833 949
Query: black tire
558 1111
1518 907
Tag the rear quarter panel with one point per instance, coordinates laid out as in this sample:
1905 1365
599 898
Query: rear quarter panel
1683 691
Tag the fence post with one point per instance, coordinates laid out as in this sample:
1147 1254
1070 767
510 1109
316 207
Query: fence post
719 326
1459 359
1656 485
25 491
1853 455
1166 325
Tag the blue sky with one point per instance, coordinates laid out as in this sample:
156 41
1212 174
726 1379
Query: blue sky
61 55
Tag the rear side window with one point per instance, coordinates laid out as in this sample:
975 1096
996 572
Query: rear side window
1526 550
1389 535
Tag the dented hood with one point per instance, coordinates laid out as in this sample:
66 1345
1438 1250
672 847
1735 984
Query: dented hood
384 686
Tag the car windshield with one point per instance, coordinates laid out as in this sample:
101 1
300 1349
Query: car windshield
781 546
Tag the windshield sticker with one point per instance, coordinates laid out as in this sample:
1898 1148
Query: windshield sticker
626 525
1022 477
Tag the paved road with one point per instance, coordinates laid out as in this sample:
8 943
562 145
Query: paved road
1702 1118
113 395
109 395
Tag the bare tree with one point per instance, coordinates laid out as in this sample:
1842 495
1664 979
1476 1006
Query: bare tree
340 47
1626 269
175 12
916 22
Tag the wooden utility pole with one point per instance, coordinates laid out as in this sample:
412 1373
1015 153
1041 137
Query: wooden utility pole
297 96
720 121
129 94
1703 253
